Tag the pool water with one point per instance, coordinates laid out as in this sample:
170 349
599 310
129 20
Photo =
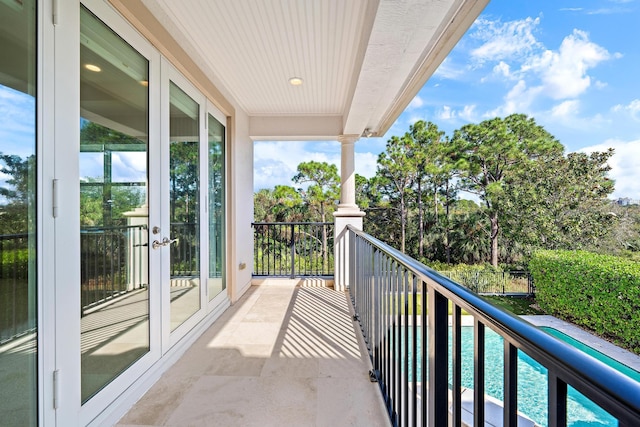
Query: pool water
620 367
532 383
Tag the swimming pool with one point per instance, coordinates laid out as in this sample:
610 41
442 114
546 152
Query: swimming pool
532 383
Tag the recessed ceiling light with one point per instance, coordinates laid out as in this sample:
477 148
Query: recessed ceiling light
295 81
92 67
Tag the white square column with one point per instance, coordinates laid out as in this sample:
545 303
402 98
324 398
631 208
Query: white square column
348 212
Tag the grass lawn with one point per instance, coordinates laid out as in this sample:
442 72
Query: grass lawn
515 305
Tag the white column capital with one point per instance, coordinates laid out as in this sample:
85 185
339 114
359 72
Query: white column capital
348 139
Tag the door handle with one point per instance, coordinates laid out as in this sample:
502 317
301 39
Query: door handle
166 241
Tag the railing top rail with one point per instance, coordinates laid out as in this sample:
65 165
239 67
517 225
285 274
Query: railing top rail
604 385
13 236
291 223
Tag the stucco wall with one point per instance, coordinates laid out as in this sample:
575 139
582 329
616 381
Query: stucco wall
241 199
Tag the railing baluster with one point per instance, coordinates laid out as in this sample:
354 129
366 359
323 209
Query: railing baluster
398 344
510 384
557 401
438 358
456 361
478 373
405 324
414 348
294 249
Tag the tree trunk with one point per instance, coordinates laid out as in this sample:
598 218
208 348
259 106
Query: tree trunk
420 221
447 244
403 223
495 229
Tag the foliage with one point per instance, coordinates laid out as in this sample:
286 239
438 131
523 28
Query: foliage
529 195
598 292
488 153
484 278
324 189
102 203
560 203
17 193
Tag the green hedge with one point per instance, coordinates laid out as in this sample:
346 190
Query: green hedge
598 292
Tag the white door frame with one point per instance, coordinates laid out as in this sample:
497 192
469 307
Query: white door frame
65 232
170 74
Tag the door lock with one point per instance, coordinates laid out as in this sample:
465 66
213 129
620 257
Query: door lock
165 242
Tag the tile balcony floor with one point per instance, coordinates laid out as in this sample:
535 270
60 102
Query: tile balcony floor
281 356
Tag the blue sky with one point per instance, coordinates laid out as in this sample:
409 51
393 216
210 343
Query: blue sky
572 65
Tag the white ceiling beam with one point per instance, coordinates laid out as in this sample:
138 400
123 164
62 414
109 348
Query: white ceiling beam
295 128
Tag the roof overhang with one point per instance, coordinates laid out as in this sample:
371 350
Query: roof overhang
361 61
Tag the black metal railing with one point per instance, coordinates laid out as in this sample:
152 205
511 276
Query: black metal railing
114 261
185 249
494 282
293 249
393 294
16 312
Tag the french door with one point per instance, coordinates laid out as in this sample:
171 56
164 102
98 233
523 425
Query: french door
181 170
141 216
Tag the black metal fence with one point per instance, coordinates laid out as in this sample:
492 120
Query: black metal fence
114 261
494 282
293 249
16 314
393 294
185 249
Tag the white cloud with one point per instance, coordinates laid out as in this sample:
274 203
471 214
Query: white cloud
467 113
416 102
563 73
633 109
502 69
366 164
624 165
448 70
446 113
276 162
504 40
517 100
566 109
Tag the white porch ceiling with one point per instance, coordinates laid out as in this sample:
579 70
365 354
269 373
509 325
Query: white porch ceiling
362 61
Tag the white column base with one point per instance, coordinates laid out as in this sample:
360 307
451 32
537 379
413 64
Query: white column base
343 217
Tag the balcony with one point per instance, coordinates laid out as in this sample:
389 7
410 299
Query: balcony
282 355
292 355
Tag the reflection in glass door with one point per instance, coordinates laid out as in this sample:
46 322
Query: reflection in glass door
114 294
216 153
18 314
184 206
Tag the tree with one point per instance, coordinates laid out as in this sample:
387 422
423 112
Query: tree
17 193
426 157
323 192
560 203
396 174
490 152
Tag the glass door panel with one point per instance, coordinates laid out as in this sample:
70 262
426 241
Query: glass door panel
184 206
216 154
114 295
18 312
